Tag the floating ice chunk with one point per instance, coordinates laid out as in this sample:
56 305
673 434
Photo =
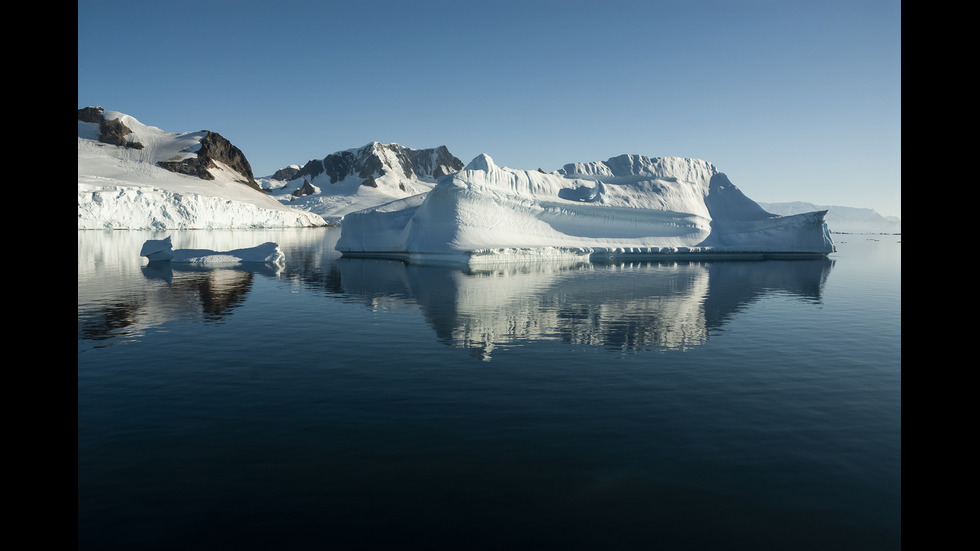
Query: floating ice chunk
161 250
158 249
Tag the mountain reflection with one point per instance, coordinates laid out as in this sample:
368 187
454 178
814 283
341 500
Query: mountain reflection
627 306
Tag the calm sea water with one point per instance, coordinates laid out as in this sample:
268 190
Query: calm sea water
358 404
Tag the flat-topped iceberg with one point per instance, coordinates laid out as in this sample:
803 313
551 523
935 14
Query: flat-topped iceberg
161 250
630 206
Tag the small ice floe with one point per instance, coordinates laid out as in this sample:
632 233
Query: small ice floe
161 250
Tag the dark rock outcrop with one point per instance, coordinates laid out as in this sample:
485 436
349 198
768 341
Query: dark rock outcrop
440 164
371 161
214 147
91 114
286 174
305 189
112 132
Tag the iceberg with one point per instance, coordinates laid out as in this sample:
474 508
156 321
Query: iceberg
630 206
161 250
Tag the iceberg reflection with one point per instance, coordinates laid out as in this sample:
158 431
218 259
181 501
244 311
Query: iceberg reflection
120 295
628 306
625 306
208 294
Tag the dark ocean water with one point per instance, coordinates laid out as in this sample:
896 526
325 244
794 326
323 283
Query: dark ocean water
362 404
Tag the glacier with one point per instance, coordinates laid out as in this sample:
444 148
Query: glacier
628 206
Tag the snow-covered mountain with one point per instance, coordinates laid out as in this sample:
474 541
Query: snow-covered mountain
134 176
629 206
842 219
354 179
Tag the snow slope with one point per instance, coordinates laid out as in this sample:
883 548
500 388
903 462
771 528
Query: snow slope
355 179
122 187
629 205
627 201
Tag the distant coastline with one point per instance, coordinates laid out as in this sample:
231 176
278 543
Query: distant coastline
841 219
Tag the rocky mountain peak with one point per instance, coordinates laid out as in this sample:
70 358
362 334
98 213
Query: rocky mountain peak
210 150
214 147
112 132
373 161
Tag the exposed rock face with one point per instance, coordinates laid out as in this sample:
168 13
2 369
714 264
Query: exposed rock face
286 174
90 114
214 147
441 163
376 159
112 132
306 189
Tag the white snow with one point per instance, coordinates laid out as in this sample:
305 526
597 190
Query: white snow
161 250
123 188
332 203
334 200
630 205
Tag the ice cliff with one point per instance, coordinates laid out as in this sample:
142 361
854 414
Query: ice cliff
630 205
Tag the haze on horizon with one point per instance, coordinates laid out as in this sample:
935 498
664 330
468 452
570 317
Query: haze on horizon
793 100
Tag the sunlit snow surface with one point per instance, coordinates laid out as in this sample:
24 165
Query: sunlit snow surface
355 190
123 188
627 206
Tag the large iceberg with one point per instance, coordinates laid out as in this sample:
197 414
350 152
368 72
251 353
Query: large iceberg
628 206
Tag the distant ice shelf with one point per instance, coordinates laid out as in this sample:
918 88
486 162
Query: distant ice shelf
630 206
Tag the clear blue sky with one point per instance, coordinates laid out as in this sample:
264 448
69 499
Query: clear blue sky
793 100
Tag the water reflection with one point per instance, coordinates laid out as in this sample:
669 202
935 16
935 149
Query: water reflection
169 293
627 306
121 295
